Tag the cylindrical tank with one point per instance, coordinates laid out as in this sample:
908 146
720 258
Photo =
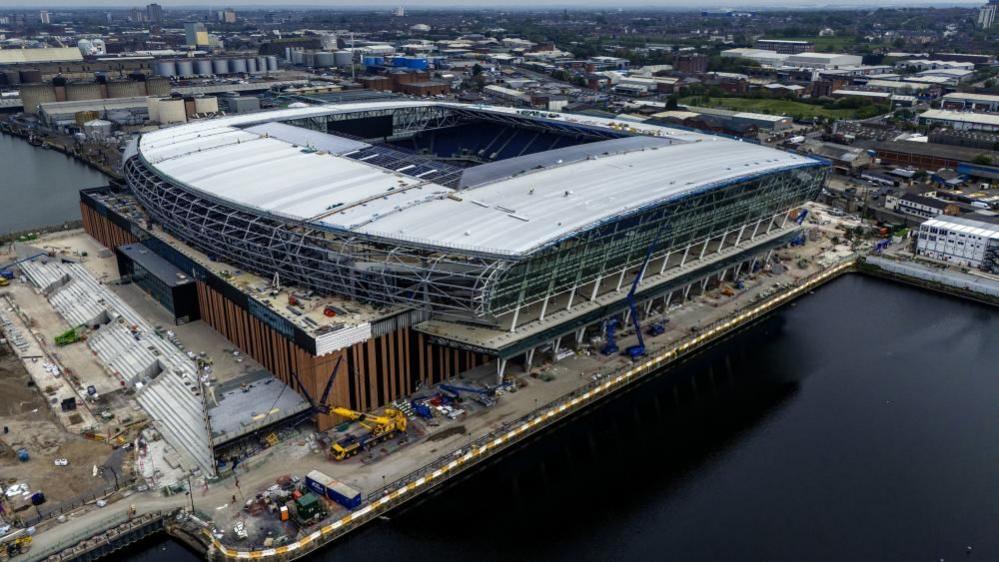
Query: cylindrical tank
325 59
153 106
83 91
220 66
297 57
31 76
126 89
85 46
261 64
343 58
166 68
237 66
309 59
272 63
206 104
288 57
203 67
251 65
34 94
157 86
185 68
172 111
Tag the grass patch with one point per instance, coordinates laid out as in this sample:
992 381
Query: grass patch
791 108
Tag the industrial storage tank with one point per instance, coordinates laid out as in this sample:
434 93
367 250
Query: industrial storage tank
171 110
251 65
220 66
152 107
85 46
34 94
166 68
126 89
261 64
297 57
325 59
78 91
157 86
309 59
203 67
206 104
343 58
185 68
272 63
237 66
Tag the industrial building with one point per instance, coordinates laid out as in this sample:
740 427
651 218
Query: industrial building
962 121
961 241
785 46
409 242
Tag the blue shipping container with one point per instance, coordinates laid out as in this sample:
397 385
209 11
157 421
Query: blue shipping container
343 495
318 482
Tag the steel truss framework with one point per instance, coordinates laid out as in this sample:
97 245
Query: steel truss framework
475 286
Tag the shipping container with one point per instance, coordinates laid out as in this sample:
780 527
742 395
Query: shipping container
317 482
333 489
343 494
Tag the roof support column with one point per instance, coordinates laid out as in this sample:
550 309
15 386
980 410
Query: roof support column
516 311
669 297
620 280
575 285
544 306
739 237
528 359
784 222
665 263
704 248
722 243
555 345
686 291
756 228
596 286
500 370
683 260
580 333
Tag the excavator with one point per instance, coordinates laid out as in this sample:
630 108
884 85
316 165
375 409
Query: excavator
377 429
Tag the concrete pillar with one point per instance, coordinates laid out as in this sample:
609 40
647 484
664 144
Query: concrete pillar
500 370
704 285
686 291
580 334
669 297
555 347
516 315
648 307
528 359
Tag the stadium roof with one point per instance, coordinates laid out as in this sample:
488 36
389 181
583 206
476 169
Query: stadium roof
513 208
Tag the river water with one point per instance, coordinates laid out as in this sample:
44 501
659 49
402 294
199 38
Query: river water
39 187
862 423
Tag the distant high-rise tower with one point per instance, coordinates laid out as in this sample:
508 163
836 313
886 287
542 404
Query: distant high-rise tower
43 16
400 11
987 14
154 13
196 34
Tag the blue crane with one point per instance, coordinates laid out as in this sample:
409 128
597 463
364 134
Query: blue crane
6 269
799 240
637 350
485 395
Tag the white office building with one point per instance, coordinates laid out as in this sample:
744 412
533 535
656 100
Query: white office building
960 241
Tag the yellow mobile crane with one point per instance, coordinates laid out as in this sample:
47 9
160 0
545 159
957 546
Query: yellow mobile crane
378 428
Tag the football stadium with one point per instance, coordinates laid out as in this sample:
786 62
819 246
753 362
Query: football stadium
407 242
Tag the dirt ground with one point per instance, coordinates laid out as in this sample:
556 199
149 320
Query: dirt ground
32 425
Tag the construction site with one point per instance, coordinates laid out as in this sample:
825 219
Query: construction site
280 320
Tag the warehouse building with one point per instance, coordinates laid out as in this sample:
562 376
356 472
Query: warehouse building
962 121
961 241
416 241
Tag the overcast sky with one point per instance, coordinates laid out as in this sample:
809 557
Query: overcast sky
493 4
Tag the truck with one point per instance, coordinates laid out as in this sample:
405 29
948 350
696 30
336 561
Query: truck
332 489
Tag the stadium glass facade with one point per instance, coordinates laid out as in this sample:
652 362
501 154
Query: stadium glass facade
453 282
